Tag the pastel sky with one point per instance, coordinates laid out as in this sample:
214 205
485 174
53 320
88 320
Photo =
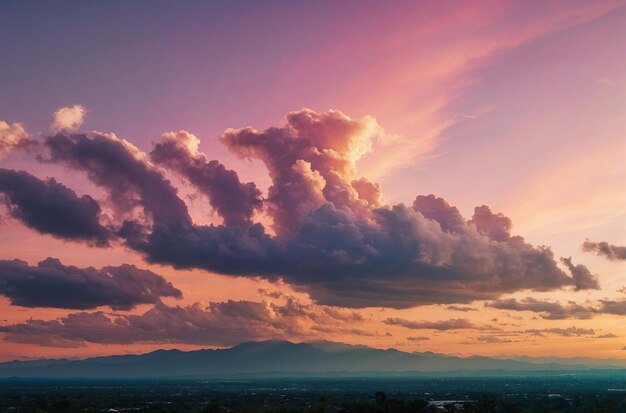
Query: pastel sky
430 176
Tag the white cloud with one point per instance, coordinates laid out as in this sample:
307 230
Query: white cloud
68 118
11 136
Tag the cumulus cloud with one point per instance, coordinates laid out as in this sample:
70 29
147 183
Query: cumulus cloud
331 236
234 201
311 161
12 136
219 324
442 325
52 284
51 208
119 167
496 226
68 118
610 251
583 278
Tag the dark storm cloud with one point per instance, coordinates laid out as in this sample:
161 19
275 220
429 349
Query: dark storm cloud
610 251
52 284
51 208
219 324
330 235
233 200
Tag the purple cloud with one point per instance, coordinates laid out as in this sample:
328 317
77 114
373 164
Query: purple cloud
51 208
52 284
330 235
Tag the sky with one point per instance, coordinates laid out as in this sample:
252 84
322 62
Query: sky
423 175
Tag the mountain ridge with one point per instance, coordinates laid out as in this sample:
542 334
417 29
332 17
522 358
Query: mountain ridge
276 358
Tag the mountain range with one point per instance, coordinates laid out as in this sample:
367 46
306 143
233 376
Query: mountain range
283 358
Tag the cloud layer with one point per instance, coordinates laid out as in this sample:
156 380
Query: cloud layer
330 234
442 325
219 324
552 310
52 284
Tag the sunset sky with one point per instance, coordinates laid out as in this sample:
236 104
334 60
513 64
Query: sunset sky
424 175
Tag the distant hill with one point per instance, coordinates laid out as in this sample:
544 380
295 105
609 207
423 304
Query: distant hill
283 358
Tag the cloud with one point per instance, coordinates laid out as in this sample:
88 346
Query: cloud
52 284
610 251
547 309
68 118
311 161
496 226
218 324
616 307
519 336
442 325
583 278
12 136
461 308
565 332
51 208
330 237
556 311
495 340
118 166
234 201
418 338
608 335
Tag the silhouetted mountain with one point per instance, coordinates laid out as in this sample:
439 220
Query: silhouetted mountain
276 358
